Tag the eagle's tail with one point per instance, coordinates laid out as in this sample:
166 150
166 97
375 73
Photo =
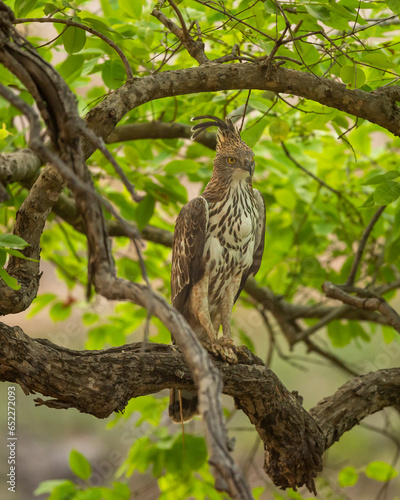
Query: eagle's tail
182 405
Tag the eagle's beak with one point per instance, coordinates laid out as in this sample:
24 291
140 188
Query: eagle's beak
250 166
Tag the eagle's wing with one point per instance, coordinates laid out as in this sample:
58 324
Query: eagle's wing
188 265
259 242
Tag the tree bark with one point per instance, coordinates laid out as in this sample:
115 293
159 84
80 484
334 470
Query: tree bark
102 382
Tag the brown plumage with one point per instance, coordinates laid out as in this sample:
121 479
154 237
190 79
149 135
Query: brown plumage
218 243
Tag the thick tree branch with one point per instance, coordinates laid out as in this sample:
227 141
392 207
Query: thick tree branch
21 166
101 382
376 108
29 225
355 400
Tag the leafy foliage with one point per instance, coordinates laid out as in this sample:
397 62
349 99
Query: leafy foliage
313 227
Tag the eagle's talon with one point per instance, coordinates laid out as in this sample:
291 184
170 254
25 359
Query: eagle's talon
224 352
226 342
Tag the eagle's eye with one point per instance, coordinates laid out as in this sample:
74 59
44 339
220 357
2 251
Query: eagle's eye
231 160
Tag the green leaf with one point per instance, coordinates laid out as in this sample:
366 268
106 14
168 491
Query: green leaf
378 60
74 39
353 76
253 133
394 5
50 485
71 67
4 132
20 255
195 454
389 334
12 241
380 471
40 303
79 465
144 211
113 73
134 9
339 334
60 489
266 46
3 257
60 311
270 7
318 11
49 8
386 192
23 7
279 130
369 202
9 280
258 491
348 477
377 179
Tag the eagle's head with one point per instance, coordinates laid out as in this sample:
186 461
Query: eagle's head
232 152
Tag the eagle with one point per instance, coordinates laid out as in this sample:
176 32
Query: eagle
218 243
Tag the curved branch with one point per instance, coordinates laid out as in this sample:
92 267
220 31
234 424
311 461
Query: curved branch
368 303
355 400
375 107
69 22
101 382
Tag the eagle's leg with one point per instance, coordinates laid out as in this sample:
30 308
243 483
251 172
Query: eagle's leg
226 311
200 309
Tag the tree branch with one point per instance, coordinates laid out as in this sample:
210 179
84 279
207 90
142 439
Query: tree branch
195 48
368 303
20 166
101 382
70 22
361 246
376 108
355 400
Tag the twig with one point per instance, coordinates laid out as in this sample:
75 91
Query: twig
313 347
69 22
195 48
99 143
320 181
370 304
231 16
332 315
245 110
181 20
361 246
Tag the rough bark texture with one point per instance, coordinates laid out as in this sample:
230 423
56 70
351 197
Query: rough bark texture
29 225
101 382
